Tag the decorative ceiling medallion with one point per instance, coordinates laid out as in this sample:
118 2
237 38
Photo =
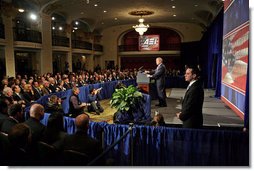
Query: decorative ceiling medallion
141 12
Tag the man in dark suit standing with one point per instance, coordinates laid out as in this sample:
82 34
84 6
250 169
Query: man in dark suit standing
191 113
159 75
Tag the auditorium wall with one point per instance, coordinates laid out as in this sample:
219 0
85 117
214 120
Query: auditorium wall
111 37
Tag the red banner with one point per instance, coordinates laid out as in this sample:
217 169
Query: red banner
149 42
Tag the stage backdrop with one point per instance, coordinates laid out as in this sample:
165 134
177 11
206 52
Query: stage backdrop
235 54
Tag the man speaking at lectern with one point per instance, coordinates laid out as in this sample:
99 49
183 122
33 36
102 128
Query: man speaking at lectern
159 75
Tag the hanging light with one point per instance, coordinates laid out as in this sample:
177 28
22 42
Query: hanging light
141 28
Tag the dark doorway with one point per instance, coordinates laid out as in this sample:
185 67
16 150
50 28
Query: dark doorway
23 63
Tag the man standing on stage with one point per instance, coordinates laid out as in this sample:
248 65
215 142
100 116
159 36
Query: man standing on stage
159 75
191 113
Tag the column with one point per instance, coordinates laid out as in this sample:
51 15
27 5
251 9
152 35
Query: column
9 48
46 52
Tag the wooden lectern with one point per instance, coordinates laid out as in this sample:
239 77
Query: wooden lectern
143 82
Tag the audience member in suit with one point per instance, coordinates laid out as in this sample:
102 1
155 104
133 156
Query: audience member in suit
19 151
76 107
18 96
159 75
54 133
93 99
52 84
8 94
28 94
67 85
37 128
16 116
192 104
60 86
46 90
37 90
80 141
54 105
3 110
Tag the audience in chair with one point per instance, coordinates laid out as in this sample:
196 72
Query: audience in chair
80 141
54 104
15 116
93 99
37 128
76 107
19 150
54 132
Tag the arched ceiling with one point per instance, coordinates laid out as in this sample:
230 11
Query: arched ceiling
109 13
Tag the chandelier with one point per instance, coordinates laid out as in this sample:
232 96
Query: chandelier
141 27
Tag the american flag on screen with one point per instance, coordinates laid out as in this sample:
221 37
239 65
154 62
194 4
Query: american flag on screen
235 58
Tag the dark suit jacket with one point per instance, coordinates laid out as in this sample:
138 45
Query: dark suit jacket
81 142
37 128
8 124
192 105
3 117
159 75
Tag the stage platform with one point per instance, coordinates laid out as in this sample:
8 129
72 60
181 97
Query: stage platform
215 112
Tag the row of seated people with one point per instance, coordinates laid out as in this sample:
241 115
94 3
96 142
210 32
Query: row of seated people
49 83
24 141
27 90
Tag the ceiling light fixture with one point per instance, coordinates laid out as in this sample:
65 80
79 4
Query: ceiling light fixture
141 28
21 10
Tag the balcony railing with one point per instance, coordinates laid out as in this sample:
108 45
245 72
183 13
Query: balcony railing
22 34
123 48
60 41
81 44
97 47
2 33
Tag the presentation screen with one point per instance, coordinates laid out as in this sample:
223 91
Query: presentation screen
149 43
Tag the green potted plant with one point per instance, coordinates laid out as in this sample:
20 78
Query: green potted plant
125 100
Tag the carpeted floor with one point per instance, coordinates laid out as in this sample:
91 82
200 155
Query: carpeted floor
106 116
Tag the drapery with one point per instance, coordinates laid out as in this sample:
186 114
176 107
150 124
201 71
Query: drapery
165 146
211 52
170 146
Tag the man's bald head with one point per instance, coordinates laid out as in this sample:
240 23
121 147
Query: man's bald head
37 111
82 122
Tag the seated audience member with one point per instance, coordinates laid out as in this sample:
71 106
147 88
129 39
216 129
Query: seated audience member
54 104
76 107
15 116
45 89
18 96
3 110
28 94
93 99
158 120
60 86
54 132
37 90
52 84
19 151
36 127
80 141
67 85
8 94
